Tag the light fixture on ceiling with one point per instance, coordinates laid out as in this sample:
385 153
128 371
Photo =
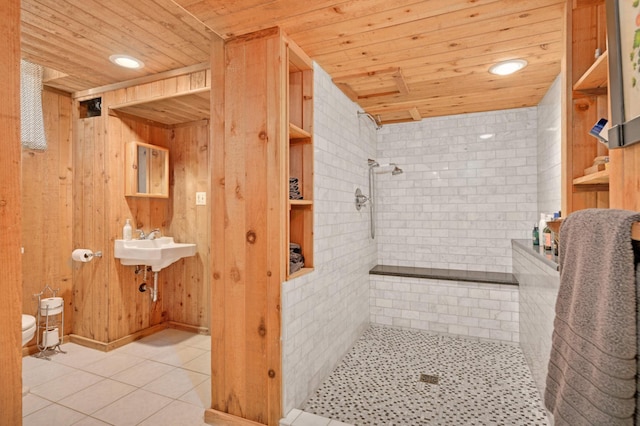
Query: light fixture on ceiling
486 136
508 67
126 61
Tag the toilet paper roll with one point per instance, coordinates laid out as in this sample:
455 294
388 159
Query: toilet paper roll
82 255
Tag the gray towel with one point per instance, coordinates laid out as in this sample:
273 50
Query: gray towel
592 368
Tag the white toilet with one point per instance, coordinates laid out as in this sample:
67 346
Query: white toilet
28 328
28 331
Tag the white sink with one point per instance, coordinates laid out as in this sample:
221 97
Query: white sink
158 253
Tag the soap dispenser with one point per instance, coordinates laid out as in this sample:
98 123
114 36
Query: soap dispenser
127 231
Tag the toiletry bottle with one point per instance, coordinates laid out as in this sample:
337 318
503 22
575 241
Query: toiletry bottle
127 231
535 235
546 237
541 226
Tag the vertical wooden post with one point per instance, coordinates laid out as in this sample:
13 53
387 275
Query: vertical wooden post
10 208
248 121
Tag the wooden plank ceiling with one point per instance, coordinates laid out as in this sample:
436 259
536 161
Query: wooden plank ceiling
400 60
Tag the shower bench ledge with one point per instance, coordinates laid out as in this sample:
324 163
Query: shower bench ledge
445 274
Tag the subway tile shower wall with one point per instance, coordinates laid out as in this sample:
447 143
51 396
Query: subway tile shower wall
461 198
477 310
539 285
325 312
549 150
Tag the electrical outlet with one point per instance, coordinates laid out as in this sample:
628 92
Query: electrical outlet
201 198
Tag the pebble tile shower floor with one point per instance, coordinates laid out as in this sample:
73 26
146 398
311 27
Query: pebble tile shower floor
379 383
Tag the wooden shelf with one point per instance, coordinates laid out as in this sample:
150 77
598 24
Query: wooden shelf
296 132
598 178
595 78
169 110
300 202
301 272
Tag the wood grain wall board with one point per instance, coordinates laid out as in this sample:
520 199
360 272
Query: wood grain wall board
235 356
118 308
256 191
280 54
219 221
47 210
10 211
186 295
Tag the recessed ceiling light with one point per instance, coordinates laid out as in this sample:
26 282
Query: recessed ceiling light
126 61
508 67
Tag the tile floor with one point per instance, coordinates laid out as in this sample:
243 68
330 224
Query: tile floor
163 379
479 383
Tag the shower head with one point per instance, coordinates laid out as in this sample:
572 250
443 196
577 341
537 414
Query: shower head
396 171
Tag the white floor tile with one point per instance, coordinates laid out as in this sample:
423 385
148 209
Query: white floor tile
73 388
97 396
179 355
112 364
90 421
39 374
77 356
53 414
143 373
32 403
144 349
177 413
61 387
200 341
201 364
176 383
133 409
200 395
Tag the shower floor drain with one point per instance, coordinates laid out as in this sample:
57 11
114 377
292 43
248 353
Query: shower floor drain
427 378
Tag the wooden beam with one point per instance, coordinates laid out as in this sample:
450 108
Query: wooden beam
415 114
403 89
10 223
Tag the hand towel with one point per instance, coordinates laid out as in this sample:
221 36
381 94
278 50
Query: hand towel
592 367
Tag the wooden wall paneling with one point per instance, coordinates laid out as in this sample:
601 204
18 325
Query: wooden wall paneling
187 293
10 210
235 386
219 220
249 201
631 191
47 210
256 191
583 147
277 220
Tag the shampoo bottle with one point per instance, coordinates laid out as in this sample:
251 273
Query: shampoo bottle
541 225
127 231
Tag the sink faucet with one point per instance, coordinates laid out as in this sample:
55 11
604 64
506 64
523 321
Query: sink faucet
142 235
153 234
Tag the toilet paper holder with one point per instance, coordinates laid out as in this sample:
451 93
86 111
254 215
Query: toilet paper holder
84 255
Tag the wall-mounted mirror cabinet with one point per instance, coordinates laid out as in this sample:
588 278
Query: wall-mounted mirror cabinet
146 170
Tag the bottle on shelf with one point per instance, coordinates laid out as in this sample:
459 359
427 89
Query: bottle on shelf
535 235
546 237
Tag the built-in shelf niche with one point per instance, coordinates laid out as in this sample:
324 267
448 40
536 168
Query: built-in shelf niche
300 155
